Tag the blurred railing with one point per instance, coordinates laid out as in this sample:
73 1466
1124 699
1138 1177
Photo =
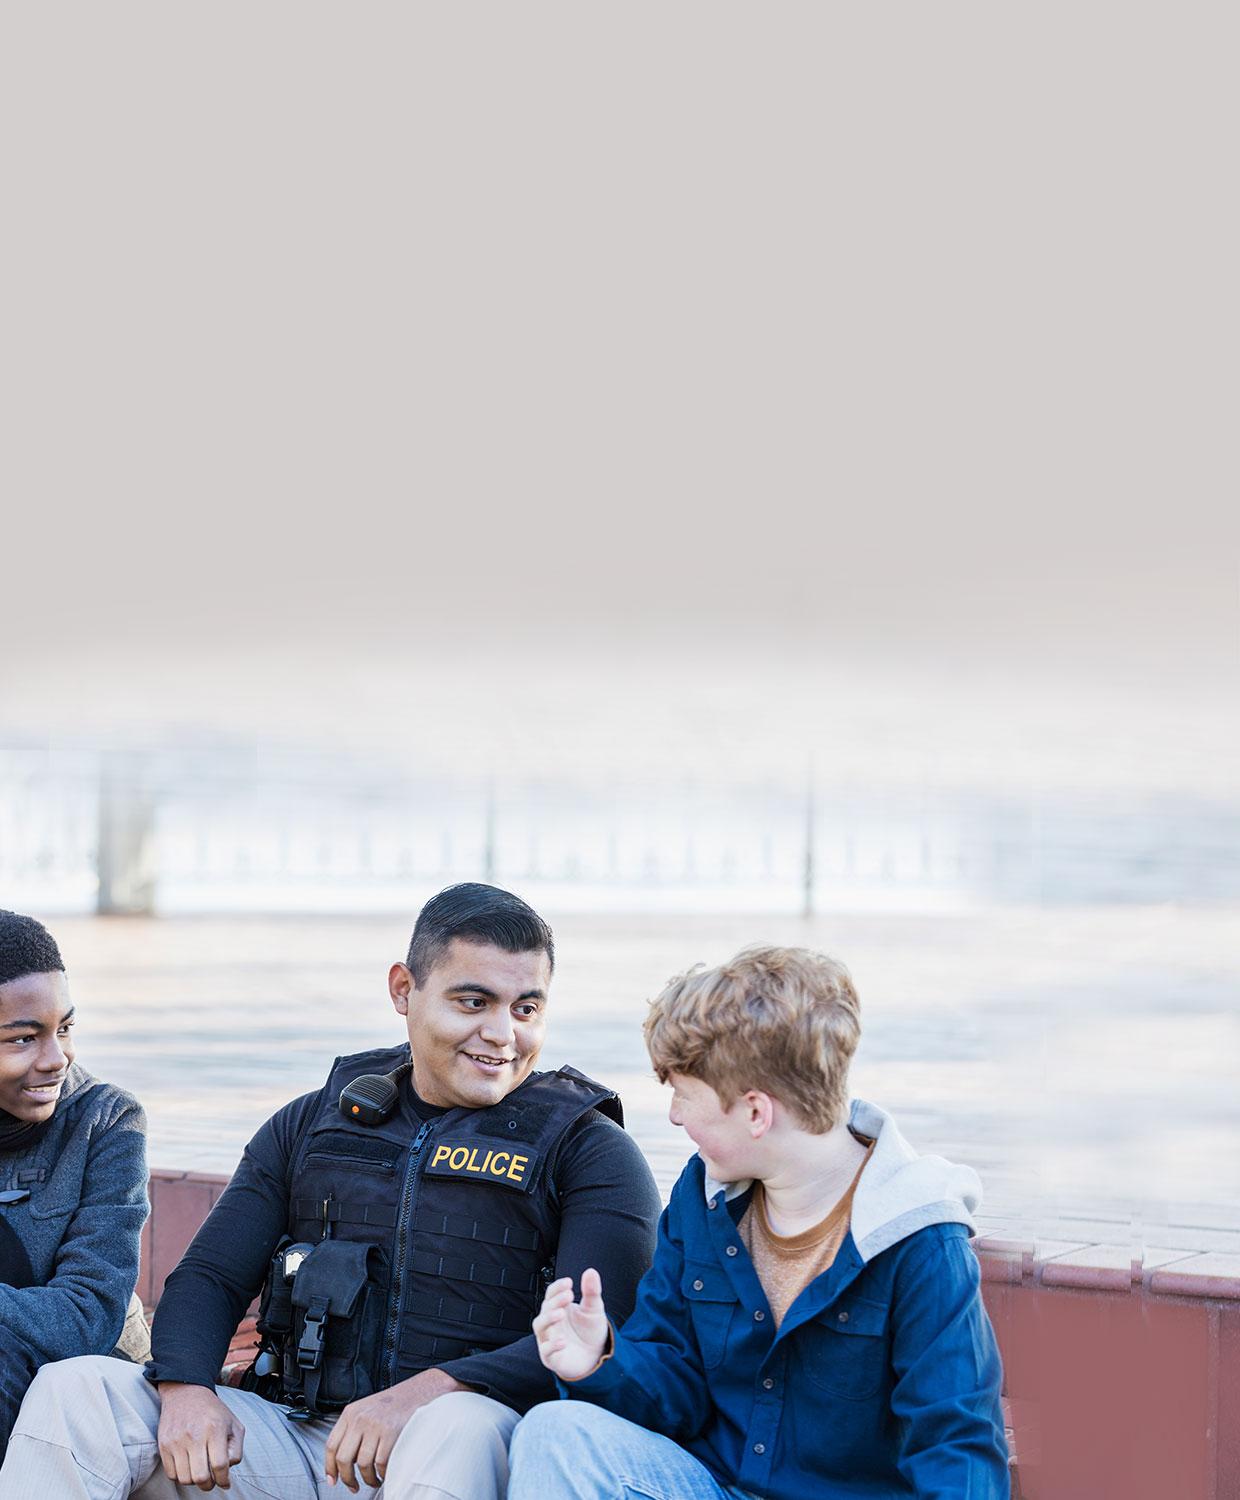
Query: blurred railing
228 828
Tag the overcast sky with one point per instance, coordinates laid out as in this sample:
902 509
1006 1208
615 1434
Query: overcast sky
671 384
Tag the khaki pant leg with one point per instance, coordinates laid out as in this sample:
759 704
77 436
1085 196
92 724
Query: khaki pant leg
280 1460
453 1448
87 1431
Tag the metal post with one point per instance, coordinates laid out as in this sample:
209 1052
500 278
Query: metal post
807 908
488 848
126 833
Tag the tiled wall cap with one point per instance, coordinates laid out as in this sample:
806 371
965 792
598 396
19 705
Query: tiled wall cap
1215 1274
1091 1278
1005 1267
1102 1268
997 1245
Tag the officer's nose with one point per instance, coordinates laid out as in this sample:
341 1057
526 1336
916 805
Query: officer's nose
498 1027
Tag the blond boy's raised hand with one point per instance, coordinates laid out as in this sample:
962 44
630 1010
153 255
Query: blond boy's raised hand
572 1335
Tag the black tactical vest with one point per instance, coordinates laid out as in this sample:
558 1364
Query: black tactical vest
453 1233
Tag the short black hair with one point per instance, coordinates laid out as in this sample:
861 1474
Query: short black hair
26 947
478 914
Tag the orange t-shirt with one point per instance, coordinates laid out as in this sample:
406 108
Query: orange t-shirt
787 1263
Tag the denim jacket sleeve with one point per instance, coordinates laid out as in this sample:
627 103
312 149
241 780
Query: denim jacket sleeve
948 1375
655 1375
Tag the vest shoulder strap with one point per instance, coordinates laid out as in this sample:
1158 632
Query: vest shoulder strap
608 1102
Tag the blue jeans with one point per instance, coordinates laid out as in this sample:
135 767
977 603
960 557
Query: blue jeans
570 1450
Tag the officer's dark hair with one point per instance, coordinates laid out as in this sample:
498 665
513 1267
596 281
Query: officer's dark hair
26 947
478 914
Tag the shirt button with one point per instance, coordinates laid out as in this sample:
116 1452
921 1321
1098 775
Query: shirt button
843 1317
758 1316
698 1285
759 1447
768 1384
731 1250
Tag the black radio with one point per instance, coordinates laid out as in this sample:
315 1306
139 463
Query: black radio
370 1099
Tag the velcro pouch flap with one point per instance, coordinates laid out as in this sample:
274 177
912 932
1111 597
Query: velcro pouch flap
332 1277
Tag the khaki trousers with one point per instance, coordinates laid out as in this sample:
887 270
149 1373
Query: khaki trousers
86 1431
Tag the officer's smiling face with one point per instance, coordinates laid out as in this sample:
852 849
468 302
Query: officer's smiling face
476 1025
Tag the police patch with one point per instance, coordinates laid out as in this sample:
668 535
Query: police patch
511 1166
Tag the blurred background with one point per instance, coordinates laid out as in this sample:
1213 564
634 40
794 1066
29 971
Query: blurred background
727 475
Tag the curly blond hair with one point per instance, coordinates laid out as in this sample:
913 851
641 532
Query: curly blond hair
783 1020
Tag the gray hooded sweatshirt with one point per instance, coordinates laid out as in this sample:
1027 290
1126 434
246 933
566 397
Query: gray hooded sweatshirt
85 1177
899 1192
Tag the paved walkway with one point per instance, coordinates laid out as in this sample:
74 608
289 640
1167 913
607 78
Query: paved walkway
1083 1060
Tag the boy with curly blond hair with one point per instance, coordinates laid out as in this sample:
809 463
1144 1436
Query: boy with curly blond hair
812 1323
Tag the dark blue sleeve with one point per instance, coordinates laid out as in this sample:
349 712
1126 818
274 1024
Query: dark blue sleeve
655 1376
948 1375
226 1264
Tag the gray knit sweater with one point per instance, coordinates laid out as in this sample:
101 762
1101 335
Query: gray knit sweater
86 1175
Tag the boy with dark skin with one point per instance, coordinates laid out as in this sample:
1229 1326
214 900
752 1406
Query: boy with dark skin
72 1176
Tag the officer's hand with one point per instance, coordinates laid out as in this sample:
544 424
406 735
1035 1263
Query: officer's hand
366 1431
572 1335
199 1438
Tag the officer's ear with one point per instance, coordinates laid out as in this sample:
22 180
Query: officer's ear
400 986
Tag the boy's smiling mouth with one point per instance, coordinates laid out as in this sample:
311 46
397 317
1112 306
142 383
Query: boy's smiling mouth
44 1090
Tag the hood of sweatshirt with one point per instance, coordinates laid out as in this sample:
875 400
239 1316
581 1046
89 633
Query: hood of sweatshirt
899 1192
76 1079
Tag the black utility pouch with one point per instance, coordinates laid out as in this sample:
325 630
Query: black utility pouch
275 1306
334 1345
275 1320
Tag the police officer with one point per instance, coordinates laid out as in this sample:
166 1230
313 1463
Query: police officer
402 1223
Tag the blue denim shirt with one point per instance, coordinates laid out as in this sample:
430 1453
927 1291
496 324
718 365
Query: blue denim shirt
882 1381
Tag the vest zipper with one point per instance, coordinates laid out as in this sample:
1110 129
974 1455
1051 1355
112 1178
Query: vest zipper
392 1343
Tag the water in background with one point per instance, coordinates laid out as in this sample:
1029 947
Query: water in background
1048 976
1085 1060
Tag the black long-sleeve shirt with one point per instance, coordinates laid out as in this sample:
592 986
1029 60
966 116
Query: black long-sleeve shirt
608 1202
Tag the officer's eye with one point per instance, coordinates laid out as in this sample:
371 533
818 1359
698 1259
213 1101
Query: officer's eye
526 1011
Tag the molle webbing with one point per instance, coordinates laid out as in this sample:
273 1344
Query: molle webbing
375 1216
468 1314
462 1227
427 1263
420 1351
465 1250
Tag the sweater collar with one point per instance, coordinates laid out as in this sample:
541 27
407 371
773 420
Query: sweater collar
16 1135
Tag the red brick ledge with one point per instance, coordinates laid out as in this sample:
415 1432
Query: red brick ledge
1110 1268
185 1198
